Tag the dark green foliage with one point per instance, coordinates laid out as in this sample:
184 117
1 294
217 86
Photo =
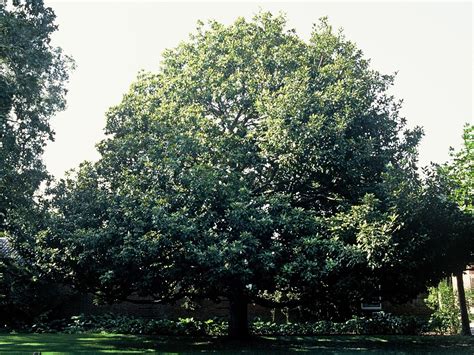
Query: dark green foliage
24 296
32 78
127 325
258 168
380 323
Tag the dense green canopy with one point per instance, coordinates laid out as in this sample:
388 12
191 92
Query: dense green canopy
254 167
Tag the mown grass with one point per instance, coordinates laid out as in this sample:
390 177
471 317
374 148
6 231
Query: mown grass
117 343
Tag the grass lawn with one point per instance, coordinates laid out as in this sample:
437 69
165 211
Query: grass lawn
116 343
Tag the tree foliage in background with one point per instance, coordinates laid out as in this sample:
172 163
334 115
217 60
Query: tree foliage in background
26 296
460 175
461 171
257 168
32 78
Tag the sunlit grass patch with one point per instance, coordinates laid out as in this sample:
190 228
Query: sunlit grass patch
133 344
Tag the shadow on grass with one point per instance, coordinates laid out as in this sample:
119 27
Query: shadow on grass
116 343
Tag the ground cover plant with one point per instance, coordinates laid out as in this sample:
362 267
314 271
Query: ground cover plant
380 323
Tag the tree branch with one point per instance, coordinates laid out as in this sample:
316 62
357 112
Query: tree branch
275 304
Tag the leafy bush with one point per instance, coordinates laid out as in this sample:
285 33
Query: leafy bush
470 300
128 325
380 323
445 316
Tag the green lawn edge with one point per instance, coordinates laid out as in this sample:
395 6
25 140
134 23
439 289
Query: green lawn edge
330 344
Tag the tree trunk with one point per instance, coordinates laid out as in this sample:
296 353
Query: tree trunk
238 322
465 326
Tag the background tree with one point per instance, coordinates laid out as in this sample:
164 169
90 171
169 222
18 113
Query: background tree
256 168
460 172
32 78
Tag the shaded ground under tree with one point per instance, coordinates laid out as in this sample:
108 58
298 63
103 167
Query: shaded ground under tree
59 343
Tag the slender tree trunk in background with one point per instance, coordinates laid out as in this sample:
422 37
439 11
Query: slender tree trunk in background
238 322
465 326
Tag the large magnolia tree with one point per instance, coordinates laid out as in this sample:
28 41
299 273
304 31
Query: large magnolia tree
253 167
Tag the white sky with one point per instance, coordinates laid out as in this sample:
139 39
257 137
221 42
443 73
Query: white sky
429 44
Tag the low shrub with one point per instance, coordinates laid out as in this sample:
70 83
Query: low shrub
128 325
445 317
379 323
